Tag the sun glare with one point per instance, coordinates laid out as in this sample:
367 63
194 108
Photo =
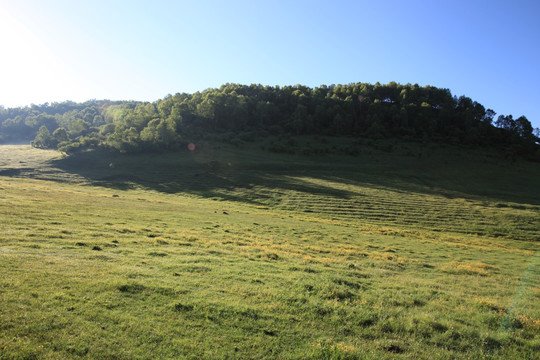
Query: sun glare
30 72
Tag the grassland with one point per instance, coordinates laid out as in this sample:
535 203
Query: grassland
409 252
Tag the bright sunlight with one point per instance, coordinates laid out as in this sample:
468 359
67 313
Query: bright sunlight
27 67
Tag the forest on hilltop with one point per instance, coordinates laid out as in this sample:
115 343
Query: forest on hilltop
408 112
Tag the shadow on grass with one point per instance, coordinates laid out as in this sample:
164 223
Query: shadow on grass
183 173
261 178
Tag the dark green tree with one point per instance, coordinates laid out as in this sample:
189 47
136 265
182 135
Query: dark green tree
78 127
60 135
43 139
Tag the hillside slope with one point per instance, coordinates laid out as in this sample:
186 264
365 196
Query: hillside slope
410 251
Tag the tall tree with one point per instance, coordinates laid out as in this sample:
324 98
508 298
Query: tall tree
43 139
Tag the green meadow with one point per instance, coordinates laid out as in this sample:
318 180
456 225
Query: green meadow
403 251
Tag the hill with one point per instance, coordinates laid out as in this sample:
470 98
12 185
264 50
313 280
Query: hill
404 250
240 112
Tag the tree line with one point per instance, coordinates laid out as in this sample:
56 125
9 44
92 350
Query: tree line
364 110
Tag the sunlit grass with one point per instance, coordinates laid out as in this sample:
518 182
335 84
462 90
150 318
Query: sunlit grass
102 271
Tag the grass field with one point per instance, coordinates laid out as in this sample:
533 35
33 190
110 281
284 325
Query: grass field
410 252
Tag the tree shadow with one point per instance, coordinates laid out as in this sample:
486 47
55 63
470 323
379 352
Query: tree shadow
262 181
211 179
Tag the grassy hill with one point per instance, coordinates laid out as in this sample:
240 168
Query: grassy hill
402 251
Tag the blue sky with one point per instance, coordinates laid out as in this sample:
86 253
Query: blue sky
143 50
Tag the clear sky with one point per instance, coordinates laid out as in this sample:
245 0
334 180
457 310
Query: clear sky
143 50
